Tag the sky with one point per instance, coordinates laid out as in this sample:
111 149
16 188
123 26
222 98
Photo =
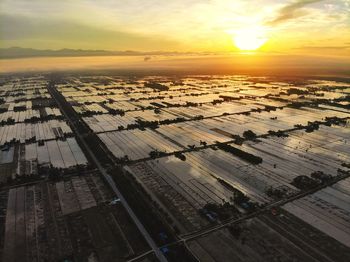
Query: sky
289 27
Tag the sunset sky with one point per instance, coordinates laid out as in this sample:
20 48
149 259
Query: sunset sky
251 34
309 26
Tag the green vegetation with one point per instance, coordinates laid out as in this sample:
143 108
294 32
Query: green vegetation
249 134
241 154
304 182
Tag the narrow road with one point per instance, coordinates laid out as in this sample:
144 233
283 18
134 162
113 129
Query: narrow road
55 94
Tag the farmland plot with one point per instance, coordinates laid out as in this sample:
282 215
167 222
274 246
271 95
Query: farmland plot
136 144
61 154
50 220
328 210
21 132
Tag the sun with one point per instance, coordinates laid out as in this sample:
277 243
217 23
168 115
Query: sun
249 39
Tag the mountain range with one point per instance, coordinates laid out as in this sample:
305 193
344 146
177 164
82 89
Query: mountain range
19 52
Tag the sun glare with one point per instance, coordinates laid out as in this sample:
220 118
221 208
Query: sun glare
249 39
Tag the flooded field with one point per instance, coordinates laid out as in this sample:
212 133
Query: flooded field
227 166
48 221
183 138
33 131
54 204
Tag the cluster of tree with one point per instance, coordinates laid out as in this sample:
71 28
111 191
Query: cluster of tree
322 177
90 113
105 93
259 110
241 154
156 86
188 104
199 117
172 104
155 154
217 101
141 124
316 178
335 121
178 83
23 99
298 105
277 193
123 160
238 197
20 179
278 133
229 98
270 108
30 140
238 140
180 156
35 119
158 105
347 165
19 108
345 98
39 102
114 112
297 91
312 126
304 182
148 98
191 104
202 143
243 201
226 185
19 93
214 211
143 108
8 121
249 134
197 94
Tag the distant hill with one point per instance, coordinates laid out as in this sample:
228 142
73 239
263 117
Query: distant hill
19 52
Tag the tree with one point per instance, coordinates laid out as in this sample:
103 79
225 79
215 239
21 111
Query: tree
239 197
249 134
304 182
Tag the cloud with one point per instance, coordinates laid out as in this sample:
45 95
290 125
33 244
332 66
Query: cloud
177 25
291 11
57 33
323 47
